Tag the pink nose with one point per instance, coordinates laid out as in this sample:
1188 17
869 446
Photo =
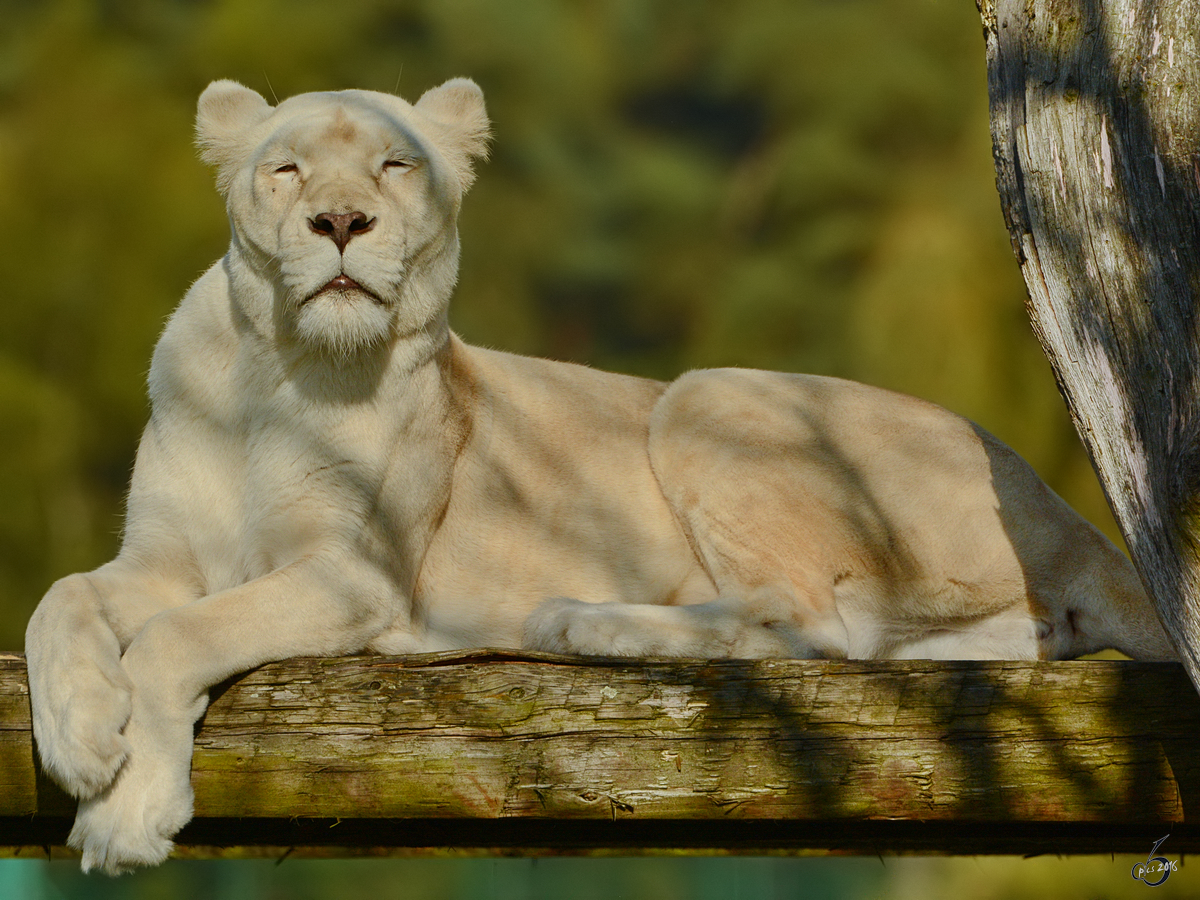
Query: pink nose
340 227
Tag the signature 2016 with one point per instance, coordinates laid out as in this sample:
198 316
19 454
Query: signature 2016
1156 869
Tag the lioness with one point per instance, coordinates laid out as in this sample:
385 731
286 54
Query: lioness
328 469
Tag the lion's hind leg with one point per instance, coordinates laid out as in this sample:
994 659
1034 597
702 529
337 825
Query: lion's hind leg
733 460
731 465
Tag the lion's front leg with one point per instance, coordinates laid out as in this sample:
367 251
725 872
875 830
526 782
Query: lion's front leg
322 606
132 821
79 692
758 624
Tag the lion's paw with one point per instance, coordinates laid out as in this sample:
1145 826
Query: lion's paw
132 823
563 625
80 740
554 626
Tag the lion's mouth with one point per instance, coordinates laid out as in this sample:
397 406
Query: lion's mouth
342 284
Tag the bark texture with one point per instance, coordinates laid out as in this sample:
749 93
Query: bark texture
1095 108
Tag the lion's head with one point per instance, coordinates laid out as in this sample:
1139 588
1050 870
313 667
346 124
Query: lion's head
345 204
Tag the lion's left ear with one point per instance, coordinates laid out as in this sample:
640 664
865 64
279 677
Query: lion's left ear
457 108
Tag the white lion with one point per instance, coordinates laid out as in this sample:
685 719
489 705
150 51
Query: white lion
328 469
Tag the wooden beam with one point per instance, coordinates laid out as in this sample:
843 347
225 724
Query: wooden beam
492 752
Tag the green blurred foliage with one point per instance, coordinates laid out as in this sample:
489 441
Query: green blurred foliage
794 185
650 878
460 879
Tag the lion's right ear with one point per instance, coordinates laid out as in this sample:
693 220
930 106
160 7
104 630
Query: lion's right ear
226 111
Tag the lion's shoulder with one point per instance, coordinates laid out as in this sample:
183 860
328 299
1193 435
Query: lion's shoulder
194 361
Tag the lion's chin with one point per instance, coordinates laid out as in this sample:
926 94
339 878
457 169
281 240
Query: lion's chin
344 287
342 320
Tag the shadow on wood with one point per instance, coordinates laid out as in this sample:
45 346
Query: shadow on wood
497 753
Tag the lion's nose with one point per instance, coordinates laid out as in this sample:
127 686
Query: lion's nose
340 227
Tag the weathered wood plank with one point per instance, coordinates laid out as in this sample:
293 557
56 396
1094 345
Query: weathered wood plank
17 785
510 754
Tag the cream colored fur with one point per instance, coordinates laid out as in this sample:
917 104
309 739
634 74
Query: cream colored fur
328 469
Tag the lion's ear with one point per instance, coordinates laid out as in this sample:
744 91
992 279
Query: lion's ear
457 107
226 111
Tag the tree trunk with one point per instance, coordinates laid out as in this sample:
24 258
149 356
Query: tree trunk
1095 109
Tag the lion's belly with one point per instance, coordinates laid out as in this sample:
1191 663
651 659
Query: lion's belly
483 576
478 587
552 497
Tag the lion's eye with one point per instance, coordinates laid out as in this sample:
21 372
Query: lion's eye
288 169
398 165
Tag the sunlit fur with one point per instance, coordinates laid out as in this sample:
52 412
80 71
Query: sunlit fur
340 323
329 469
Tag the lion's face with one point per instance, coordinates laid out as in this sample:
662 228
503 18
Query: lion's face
346 202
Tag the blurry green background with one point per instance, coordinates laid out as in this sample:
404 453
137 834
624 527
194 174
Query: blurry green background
794 184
